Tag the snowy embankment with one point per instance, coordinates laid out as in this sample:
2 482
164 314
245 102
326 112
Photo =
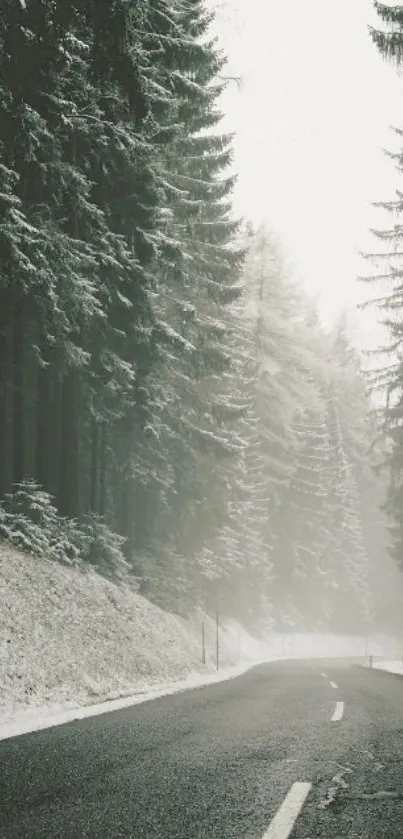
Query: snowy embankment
394 666
69 640
73 644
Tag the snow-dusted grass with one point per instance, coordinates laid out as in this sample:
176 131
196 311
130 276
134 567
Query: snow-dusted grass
70 639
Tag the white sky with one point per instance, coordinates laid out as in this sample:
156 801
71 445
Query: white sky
314 112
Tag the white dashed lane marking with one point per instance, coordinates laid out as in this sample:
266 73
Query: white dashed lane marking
283 822
333 685
338 713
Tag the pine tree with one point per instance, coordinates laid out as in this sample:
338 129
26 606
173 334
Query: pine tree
195 280
387 276
389 42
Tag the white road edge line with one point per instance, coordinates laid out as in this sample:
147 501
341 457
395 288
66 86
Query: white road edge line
283 822
333 685
338 713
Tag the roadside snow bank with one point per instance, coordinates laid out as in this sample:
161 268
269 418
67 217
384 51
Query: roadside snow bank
36 718
70 639
395 666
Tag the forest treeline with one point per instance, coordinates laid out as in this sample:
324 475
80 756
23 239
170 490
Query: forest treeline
161 376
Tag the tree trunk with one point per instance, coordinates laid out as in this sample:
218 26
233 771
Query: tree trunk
126 515
94 466
102 476
69 501
5 393
55 433
18 393
44 422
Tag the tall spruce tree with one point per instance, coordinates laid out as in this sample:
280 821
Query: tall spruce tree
386 275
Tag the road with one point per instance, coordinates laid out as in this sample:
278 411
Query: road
307 750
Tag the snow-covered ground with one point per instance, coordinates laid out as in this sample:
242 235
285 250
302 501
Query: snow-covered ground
394 666
73 644
71 641
34 718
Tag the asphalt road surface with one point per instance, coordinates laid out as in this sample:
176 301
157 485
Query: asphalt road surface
307 750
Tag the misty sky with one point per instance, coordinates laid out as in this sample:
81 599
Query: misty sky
315 110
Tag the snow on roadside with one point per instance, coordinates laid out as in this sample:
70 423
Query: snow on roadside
73 644
395 666
71 641
34 719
